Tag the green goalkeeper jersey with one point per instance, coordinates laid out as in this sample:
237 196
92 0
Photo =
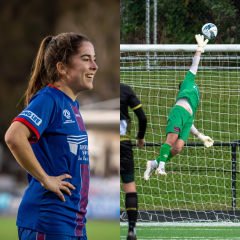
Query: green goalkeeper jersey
190 90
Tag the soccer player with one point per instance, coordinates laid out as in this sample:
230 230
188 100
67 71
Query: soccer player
129 99
49 140
181 116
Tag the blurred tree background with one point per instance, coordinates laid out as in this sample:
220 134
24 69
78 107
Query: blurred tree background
24 24
178 21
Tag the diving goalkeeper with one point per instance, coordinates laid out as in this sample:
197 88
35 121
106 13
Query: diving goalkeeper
181 116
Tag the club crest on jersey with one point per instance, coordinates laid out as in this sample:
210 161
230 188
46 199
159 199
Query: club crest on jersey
32 116
66 114
176 129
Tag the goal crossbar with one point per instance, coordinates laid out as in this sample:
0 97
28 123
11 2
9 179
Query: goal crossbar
178 48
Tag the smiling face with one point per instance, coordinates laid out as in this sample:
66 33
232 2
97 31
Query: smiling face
83 67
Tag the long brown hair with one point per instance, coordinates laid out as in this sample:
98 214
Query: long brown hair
52 50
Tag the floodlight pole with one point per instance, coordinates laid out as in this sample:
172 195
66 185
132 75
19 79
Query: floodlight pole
155 26
147 30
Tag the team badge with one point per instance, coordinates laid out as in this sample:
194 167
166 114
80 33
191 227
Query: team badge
176 129
66 114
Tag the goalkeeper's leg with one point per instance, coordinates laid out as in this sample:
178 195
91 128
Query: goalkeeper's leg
176 117
165 154
177 130
173 130
175 149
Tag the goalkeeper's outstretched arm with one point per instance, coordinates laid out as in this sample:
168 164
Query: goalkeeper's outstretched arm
201 43
200 49
207 141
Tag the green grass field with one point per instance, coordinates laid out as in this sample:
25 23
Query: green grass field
174 232
198 178
96 229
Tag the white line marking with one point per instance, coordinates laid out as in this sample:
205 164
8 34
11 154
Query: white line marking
184 229
176 224
183 238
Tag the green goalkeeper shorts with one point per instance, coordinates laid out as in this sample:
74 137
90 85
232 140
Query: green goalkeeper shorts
180 122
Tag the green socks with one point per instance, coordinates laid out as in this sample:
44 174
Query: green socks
165 153
169 156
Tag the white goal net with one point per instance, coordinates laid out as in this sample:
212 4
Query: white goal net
202 184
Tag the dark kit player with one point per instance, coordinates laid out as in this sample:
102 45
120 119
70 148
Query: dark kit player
129 99
49 140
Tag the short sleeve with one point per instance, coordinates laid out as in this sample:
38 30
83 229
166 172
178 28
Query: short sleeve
133 101
37 115
189 77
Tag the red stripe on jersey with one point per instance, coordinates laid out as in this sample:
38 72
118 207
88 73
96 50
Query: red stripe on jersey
79 119
40 236
50 85
28 124
84 199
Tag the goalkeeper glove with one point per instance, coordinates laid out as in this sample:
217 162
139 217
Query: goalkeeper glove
201 42
207 141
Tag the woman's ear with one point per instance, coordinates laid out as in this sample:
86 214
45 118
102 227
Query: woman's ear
61 67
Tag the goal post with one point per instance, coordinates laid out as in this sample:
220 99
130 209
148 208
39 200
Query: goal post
203 184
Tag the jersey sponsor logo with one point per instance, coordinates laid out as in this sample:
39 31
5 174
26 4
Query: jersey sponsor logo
74 141
32 116
176 129
66 114
84 157
69 121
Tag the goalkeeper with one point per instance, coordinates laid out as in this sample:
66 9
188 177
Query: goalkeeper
181 116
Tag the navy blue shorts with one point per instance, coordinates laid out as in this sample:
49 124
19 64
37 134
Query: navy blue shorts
28 234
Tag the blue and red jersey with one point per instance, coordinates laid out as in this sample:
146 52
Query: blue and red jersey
60 144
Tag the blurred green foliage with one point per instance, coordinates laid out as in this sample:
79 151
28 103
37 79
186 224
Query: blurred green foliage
24 24
179 21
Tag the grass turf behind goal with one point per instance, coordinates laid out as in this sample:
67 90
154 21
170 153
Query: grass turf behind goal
199 185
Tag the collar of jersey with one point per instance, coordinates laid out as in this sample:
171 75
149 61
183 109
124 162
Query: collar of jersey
50 85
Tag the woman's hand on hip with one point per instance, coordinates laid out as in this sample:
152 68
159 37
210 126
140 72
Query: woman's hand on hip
55 184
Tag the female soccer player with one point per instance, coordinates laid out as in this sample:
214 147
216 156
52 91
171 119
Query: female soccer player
49 140
180 120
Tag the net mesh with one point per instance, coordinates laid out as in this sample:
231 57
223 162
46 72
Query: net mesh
199 184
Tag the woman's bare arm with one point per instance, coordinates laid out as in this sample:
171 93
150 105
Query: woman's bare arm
17 140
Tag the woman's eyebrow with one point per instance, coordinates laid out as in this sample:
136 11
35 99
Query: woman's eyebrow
87 55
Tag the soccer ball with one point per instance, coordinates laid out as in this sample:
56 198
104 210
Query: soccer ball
209 31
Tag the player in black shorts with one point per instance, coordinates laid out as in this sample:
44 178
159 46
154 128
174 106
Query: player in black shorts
129 99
